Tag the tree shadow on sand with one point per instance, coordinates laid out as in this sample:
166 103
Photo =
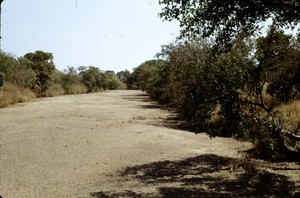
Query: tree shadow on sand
204 176
137 97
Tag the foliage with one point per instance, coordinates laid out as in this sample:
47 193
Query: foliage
243 83
24 75
17 70
200 81
112 82
96 80
158 84
279 63
92 78
127 78
23 78
230 93
143 73
69 79
152 76
2 79
193 100
8 65
228 19
42 64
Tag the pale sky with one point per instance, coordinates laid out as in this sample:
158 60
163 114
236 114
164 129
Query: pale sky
110 34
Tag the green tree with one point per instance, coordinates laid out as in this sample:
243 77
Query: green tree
17 70
279 63
70 78
8 65
123 76
112 82
42 65
227 19
143 73
158 84
127 78
24 76
201 81
92 77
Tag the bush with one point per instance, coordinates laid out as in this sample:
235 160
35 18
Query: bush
8 65
111 81
2 79
42 64
278 55
93 79
11 94
233 92
54 90
77 89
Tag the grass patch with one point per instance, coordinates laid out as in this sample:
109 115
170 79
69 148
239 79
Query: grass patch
55 90
76 89
290 114
11 94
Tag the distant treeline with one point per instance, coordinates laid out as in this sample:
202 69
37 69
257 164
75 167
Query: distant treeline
250 91
34 75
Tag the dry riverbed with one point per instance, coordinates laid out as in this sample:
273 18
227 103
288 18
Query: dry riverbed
116 144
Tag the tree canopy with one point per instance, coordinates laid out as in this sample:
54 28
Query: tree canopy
226 19
42 64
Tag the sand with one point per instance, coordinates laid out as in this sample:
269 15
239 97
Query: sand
114 144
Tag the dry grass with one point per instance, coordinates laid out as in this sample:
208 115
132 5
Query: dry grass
55 90
77 89
11 94
290 114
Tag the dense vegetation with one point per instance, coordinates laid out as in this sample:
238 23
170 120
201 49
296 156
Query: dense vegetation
224 77
34 75
244 92
227 20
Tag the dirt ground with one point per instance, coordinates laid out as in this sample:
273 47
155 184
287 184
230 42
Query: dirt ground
116 144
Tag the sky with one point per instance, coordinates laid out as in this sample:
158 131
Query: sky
109 34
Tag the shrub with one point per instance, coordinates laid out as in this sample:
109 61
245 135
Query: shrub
8 65
54 90
127 79
93 79
233 92
76 89
111 81
11 94
278 55
42 64
290 114
2 79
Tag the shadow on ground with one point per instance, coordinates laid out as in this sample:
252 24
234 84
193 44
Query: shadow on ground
204 176
137 98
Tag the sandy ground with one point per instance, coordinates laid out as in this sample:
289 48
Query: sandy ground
115 144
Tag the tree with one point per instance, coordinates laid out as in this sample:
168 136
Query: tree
123 76
144 72
112 82
92 77
42 65
127 78
8 65
226 19
69 79
279 61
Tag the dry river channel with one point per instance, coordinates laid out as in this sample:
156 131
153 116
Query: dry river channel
121 144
